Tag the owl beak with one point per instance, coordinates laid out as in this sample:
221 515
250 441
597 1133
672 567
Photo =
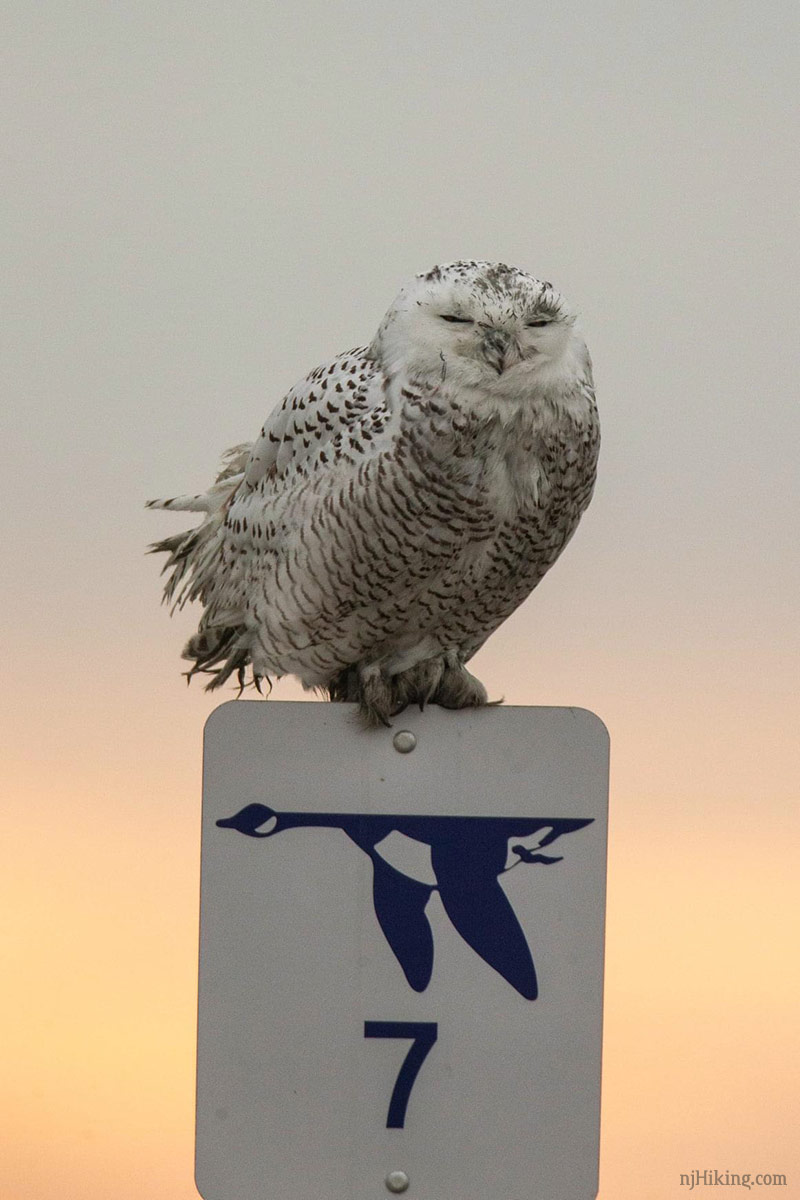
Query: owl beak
495 347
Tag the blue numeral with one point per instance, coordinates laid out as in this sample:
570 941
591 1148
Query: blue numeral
423 1034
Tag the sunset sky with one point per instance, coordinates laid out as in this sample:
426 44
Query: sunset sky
202 201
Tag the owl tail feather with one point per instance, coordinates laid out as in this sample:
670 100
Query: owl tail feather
220 647
193 556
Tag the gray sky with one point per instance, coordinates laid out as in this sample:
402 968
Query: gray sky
206 200
203 201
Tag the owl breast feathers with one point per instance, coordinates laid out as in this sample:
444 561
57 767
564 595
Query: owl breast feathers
401 502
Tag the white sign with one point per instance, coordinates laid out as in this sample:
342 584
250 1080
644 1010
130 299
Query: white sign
401 954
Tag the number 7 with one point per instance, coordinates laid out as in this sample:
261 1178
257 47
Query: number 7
423 1034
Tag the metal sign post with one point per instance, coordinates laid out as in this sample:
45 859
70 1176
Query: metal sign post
401 954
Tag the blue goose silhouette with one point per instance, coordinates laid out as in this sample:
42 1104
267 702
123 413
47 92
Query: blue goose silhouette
468 856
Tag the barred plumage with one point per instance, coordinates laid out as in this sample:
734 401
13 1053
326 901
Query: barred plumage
401 502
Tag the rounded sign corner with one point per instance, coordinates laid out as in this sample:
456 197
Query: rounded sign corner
199 1186
593 721
216 716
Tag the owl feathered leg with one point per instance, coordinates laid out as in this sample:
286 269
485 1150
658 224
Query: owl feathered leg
442 680
377 700
457 687
367 687
419 684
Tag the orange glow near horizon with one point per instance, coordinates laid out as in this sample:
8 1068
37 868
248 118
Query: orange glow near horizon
99 1007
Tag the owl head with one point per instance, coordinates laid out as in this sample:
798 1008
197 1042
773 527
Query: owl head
481 325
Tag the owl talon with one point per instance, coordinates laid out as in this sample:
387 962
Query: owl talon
460 689
376 699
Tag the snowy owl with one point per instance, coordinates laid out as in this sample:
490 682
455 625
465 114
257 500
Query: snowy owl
401 502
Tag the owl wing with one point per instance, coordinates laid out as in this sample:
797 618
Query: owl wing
343 533
332 400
